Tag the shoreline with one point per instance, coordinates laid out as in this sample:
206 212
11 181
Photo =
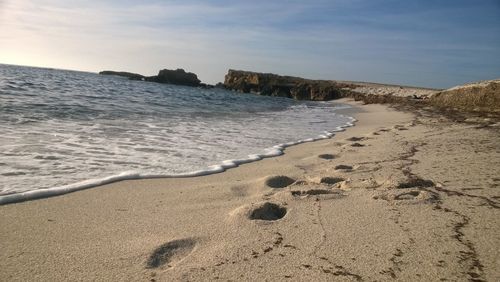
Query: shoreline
407 196
222 166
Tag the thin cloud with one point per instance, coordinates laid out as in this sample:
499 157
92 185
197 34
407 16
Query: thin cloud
354 40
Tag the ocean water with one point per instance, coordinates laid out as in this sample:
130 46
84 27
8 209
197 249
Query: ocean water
65 130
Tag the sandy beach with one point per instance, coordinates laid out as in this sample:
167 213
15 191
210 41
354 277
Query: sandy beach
406 196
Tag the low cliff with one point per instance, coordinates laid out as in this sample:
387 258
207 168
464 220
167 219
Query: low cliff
483 96
178 77
283 86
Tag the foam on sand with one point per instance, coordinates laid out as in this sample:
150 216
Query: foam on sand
274 151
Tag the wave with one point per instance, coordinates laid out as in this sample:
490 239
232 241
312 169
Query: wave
273 151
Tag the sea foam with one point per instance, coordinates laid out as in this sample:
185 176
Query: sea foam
274 151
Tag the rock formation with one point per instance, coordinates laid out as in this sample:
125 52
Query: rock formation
178 77
283 86
129 75
483 96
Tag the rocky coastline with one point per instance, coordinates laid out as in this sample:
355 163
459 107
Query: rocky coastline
479 97
482 96
269 84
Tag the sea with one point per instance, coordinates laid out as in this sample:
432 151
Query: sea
63 131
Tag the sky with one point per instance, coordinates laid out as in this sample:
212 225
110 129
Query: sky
428 43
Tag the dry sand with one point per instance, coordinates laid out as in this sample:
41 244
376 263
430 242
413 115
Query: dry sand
401 196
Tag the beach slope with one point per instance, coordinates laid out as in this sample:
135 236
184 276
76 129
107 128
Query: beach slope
405 196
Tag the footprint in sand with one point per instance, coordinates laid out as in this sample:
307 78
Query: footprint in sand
415 182
267 211
407 196
170 252
399 127
355 139
279 181
420 196
331 180
414 196
326 156
331 194
343 167
356 144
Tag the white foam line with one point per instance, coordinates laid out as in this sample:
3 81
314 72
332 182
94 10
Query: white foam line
274 151
60 190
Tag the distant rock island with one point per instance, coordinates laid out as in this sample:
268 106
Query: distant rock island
129 75
178 77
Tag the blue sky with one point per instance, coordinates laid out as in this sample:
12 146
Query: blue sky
436 43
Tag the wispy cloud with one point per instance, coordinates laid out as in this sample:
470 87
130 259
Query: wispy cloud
423 44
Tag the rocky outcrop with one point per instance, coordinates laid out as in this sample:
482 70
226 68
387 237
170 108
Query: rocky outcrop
129 75
395 90
283 86
178 77
481 96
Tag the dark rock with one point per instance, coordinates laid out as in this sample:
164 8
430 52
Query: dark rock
220 85
129 75
283 86
205 86
300 92
178 76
